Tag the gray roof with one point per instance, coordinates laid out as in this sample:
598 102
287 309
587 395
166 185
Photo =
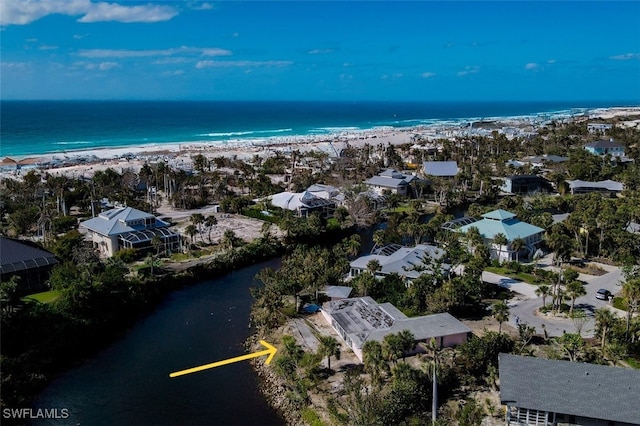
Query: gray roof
610 185
386 182
116 221
340 291
579 389
549 158
604 144
440 168
363 319
18 255
402 260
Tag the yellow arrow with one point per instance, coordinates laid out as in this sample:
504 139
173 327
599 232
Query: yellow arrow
271 351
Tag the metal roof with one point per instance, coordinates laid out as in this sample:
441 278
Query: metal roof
402 260
338 291
18 255
386 181
114 221
610 185
580 389
440 168
502 222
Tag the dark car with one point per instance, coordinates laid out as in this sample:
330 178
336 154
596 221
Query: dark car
603 294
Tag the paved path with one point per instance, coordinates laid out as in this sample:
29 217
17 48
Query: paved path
525 307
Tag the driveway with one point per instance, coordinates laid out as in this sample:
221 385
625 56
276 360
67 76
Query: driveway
525 307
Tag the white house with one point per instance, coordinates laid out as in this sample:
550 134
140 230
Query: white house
361 319
603 147
408 262
391 180
126 227
304 203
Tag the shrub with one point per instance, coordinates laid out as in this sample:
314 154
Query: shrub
127 255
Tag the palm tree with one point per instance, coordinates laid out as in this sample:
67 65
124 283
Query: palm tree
631 292
407 342
517 245
605 321
500 313
574 290
500 240
392 348
374 362
543 291
197 219
210 222
329 347
373 266
191 231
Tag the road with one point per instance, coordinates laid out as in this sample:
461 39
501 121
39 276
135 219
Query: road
525 306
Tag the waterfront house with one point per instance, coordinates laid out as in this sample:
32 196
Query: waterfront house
440 169
610 187
27 261
126 227
603 147
359 320
391 180
505 223
408 262
539 391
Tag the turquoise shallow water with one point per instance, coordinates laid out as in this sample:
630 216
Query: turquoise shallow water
39 127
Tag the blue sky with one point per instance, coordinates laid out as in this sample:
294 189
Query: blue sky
348 50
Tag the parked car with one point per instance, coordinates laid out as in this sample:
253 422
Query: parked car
603 294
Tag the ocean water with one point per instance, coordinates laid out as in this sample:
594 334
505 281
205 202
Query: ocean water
39 127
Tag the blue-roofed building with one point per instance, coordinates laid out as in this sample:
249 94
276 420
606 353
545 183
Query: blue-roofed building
441 169
126 227
506 223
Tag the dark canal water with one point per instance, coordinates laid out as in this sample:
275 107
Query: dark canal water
129 384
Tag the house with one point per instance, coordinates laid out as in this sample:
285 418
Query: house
441 169
541 160
408 262
505 223
391 180
26 260
361 319
126 227
524 184
540 391
605 186
599 127
603 147
304 203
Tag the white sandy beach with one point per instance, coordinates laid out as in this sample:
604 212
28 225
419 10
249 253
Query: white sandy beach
85 163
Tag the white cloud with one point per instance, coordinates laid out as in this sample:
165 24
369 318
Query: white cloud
172 73
551 61
13 12
531 66
14 65
103 66
47 47
124 53
428 74
196 5
469 70
320 51
79 36
242 64
625 57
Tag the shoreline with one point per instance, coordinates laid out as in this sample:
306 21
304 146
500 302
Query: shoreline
85 162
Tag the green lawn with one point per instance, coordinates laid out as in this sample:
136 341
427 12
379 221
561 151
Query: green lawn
44 297
522 276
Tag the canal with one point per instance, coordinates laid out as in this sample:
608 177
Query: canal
129 384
